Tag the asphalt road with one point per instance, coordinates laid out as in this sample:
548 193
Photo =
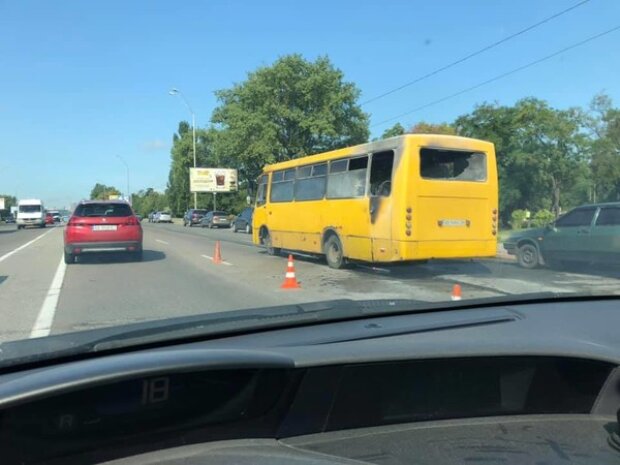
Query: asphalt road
40 295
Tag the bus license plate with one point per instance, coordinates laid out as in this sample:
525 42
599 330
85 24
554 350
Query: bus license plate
453 223
104 227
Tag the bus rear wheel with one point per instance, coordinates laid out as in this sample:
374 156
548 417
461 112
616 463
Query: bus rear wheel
334 254
271 250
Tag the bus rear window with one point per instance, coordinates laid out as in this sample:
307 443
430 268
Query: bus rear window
453 165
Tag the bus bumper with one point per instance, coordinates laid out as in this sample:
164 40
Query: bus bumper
424 250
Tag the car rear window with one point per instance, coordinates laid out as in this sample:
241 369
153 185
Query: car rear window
103 209
200 212
220 214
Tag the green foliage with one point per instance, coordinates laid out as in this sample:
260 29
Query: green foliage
517 219
396 130
287 110
542 218
103 192
9 201
149 200
605 163
541 153
431 128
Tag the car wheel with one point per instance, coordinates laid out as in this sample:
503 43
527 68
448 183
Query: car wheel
334 254
528 256
271 250
69 258
248 229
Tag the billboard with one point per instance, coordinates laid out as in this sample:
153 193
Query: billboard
212 180
2 205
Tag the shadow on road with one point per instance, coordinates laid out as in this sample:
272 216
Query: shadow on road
7 231
3 278
106 258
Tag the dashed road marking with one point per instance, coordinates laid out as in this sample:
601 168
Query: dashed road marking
23 246
43 323
211 258
162 242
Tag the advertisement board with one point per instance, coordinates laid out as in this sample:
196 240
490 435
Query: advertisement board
212 180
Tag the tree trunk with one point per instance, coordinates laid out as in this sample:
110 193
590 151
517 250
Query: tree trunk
555 197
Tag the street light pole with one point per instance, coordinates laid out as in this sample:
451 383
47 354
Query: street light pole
175 91
127 172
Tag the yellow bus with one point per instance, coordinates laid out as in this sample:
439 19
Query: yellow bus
406 198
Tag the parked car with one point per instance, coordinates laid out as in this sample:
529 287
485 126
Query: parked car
193 216
163 217
584 235
217 219
243 222
10 219
102 226
152 216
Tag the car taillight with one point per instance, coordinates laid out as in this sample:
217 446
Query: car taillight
132 221
72 222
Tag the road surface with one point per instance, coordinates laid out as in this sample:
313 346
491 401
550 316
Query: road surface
40 295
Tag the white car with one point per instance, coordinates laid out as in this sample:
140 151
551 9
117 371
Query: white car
30 212
163 217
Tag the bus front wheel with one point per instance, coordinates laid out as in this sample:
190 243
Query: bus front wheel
334 254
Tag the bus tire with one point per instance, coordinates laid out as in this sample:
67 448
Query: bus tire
271 250
334 254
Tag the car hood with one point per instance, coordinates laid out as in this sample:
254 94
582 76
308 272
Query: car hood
535 232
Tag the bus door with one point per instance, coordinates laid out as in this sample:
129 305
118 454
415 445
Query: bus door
259 216
380 204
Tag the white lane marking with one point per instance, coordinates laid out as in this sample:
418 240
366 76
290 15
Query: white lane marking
43 324
162 242
23 246
211 258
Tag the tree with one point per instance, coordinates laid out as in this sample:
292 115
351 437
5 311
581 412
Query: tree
290 109
604 123
396 130
541 153
103 192
432 128
148 200
182 159
9 201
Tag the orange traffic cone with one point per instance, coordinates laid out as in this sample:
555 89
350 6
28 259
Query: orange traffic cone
290 281
217 256
456 292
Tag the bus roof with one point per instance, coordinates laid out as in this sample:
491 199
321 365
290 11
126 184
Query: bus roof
431 140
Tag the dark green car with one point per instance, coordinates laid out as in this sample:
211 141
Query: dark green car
587 234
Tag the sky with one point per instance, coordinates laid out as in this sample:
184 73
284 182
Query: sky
84 85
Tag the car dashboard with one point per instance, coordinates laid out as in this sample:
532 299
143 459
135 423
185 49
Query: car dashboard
531 383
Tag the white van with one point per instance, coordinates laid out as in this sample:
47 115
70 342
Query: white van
30 212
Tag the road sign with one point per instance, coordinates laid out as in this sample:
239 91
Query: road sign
212 180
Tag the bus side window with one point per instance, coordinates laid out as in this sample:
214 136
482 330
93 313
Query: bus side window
347 178
282 185
381 173
261 192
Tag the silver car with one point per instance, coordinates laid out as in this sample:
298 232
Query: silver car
163 217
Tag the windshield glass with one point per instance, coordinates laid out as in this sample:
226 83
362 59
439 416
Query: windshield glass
30 208
257 155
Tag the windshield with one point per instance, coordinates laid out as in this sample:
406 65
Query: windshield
437 154
30 208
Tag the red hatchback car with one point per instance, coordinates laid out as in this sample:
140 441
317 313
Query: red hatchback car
103 226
